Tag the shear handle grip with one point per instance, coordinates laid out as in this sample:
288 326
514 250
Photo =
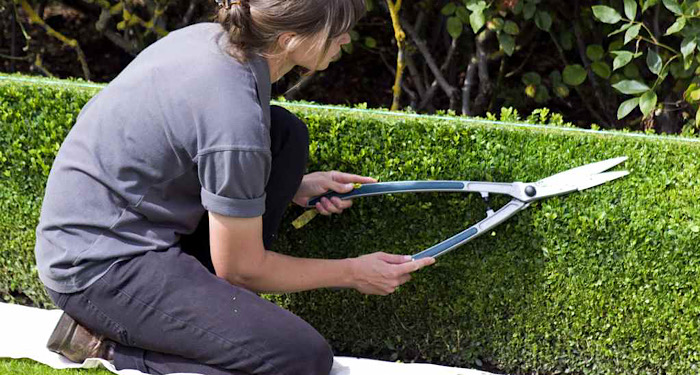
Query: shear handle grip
392 187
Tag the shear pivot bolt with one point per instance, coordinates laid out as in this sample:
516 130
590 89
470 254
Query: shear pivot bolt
530 191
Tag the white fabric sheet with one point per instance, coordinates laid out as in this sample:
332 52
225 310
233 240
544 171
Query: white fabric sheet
25 331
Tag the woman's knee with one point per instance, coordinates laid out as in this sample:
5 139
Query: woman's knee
313 354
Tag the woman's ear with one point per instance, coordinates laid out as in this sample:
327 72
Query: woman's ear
284 41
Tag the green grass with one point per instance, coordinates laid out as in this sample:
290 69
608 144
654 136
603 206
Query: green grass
29 367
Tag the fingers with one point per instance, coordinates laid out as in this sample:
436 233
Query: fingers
415 265
394 258
341 187
351 178
331 206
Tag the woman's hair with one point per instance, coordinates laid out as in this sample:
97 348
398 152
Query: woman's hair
254 26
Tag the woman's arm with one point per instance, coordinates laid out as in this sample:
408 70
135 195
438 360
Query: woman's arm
239 256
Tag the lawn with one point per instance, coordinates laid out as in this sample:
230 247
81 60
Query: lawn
29 367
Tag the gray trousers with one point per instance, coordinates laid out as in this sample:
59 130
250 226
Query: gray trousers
169 313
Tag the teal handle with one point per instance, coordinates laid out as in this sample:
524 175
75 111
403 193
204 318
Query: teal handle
447 245
392 187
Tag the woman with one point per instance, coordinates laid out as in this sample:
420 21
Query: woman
185 138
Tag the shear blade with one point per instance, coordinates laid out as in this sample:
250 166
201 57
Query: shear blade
601 178
583 171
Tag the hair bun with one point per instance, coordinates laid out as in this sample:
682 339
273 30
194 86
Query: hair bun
229 4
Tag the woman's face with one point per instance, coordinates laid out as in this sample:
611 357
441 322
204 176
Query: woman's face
310 56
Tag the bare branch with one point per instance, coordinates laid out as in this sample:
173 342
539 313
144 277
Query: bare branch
423 48
433 87
415 75
468 86
404 87
485 85
40 66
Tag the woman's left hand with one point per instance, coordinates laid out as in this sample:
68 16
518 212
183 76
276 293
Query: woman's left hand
319 183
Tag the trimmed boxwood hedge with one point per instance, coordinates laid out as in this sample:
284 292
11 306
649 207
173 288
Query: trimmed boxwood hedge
604 281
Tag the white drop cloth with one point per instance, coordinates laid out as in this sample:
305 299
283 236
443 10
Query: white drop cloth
25 331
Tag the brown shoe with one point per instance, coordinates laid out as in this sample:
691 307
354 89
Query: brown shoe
77 343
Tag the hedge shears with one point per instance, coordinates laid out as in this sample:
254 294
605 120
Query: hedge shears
523 193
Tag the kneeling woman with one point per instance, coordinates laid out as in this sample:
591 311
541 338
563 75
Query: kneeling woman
180 163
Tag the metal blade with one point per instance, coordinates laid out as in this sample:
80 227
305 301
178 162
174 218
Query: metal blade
601 178
582 171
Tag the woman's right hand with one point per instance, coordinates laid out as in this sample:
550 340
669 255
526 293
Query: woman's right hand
381 273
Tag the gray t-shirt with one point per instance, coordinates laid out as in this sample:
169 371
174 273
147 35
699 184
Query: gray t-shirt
183 129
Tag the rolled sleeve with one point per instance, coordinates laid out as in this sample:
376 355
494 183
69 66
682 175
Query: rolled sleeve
233 181
233 207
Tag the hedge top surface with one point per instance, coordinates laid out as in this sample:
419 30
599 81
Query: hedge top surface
78 83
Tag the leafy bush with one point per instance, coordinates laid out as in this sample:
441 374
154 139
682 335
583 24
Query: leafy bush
603 281
624 64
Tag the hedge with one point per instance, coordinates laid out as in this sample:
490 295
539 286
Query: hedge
603 281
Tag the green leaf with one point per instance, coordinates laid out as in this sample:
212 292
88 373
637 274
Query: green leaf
454 27
679 71
449 9
348 48
677 26
692 93
477 6
622 58
370 42
632 32
574 75
631 71
626 107
673 6
695 96
531 78
496 24
567 40
543 20
631 9
630 87
647 102
621 29
507 43
602 69
561 90
697 118
529 10
518 7
511 28
606 14
477 20
654 62
542 94
615 45
463 14
688 46
595 52
555 77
